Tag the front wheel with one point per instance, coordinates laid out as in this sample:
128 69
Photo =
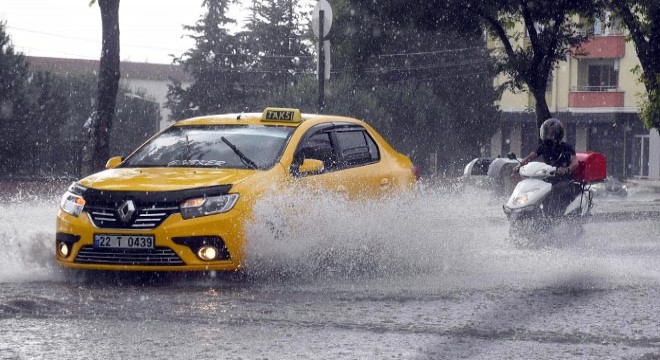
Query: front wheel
541 232
526 233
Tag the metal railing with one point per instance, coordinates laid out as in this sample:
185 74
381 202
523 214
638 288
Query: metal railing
604 32
605 88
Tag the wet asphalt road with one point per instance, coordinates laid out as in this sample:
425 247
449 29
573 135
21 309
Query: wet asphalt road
429 278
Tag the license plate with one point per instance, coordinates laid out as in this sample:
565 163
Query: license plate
109 241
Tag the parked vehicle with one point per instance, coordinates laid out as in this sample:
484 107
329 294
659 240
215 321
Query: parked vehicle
491 173
611 187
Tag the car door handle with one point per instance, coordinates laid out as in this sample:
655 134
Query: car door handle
385 183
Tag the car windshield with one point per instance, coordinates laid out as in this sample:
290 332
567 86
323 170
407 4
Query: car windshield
225 146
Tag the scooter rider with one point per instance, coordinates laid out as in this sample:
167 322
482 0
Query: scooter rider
557 153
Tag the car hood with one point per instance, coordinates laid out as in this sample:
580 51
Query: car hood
162 179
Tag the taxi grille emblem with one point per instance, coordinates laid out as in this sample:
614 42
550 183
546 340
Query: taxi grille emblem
126 211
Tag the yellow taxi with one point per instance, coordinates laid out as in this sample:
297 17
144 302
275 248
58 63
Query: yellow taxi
180 202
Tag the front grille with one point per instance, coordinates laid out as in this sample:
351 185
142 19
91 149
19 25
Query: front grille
158 256
144 218
139 209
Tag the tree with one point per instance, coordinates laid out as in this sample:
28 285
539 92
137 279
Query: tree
60 105
14 101
49 113
97 151
642 18
215 64
358 32
426 88
548 34
274 38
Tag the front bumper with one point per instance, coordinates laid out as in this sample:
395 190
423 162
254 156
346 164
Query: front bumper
522 213
176 244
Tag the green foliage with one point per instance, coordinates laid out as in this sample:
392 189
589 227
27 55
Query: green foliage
357 33
642 18
13 76
14 97
416 117
49 113
650 109
548 32
548 36
275 35
232 72
43 116
214 64
429 82
275 40
425 90
49 137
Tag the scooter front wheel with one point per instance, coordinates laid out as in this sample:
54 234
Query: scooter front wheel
525 233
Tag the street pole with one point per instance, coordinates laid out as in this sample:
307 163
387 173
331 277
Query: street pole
321 64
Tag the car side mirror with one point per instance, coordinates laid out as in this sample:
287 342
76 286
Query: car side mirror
113 162
311 166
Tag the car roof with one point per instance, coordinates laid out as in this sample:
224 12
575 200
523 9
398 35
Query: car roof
256 119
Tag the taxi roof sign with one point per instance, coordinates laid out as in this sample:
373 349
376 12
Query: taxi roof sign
281 114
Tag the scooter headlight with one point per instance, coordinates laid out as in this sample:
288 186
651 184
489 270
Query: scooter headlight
523 197
197 207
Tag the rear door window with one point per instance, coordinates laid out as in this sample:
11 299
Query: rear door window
356 147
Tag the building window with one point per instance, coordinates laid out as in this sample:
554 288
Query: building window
603 77
605 24
598 75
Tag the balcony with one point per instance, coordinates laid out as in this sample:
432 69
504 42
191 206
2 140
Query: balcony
595 97
603 47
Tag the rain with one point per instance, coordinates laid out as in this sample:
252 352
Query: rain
460 88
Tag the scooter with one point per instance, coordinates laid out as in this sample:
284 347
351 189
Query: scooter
535 210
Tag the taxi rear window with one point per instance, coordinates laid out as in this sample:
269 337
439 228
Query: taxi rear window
216 146
357 147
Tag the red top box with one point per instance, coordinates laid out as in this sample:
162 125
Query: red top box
593 167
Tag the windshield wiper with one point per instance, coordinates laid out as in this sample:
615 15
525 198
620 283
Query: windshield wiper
244 159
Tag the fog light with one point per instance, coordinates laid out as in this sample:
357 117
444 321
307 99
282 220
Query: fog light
207 253
63 249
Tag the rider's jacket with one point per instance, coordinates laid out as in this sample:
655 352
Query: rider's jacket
557 155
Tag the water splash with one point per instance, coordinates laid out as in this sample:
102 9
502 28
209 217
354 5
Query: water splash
301 234
434 239
443 238
27 235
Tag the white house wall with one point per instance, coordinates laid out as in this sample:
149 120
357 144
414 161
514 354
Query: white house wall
155 89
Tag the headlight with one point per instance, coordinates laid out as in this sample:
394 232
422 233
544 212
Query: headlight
523 197
193 208
72 204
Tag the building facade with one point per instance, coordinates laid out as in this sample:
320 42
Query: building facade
596 95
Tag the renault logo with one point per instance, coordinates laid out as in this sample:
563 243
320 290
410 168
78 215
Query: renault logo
126 211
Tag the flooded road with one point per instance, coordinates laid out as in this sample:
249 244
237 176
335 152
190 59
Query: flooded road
433 277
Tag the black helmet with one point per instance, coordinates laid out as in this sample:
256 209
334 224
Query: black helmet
552 129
